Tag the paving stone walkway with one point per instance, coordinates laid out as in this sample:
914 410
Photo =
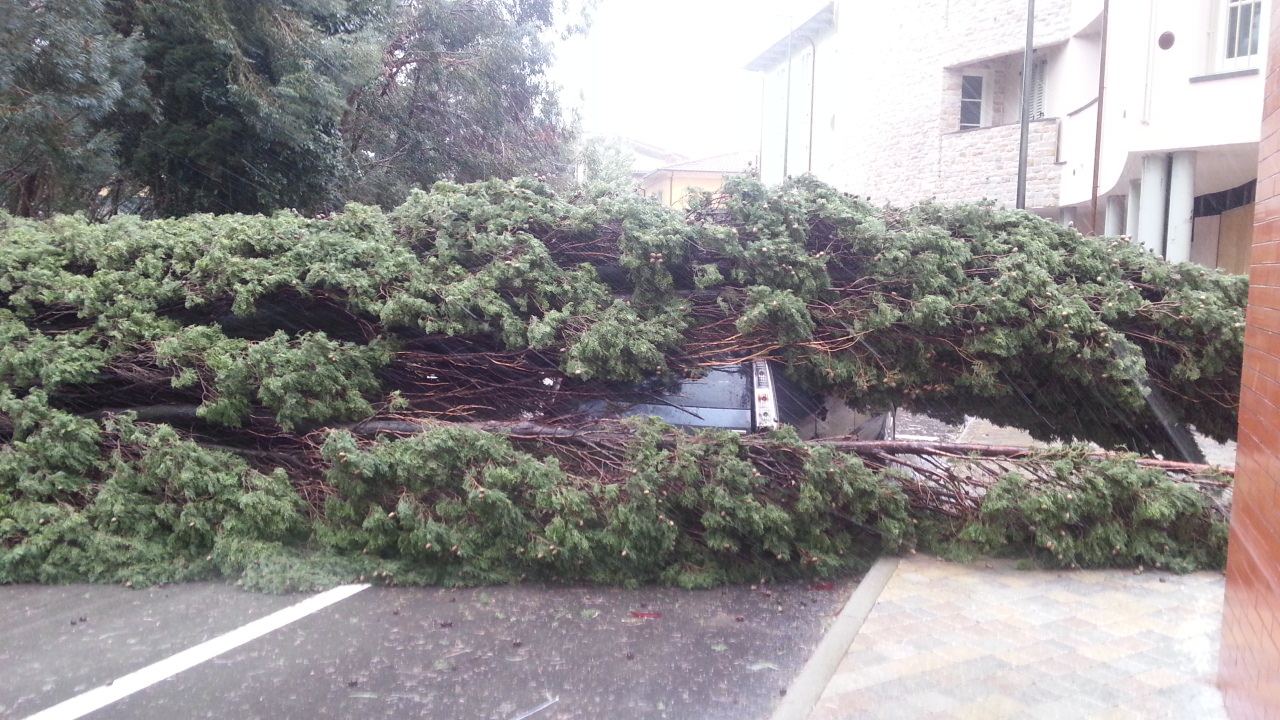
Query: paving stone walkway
988 640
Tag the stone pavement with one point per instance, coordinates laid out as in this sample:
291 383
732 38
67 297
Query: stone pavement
927 638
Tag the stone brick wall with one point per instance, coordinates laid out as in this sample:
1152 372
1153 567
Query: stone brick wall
983 164
903 104
1250 665
978 30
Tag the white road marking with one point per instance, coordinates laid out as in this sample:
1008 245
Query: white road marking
122 687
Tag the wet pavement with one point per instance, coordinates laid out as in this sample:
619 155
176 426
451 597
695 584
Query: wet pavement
927 638
988 640
57 642
918 638
494 653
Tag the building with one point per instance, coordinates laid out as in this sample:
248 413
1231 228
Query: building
670 184
1250 659
646 157
656 172
1143 113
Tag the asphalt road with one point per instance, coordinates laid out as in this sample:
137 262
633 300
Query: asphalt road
498 653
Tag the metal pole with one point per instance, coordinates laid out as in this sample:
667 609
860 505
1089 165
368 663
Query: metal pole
1097 135
1026 105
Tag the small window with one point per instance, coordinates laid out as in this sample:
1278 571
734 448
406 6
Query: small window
1237 43
1244 20
971 104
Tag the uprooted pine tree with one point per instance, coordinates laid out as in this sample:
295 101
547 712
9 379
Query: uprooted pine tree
289 401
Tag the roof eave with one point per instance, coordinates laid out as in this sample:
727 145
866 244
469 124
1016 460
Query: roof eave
810 30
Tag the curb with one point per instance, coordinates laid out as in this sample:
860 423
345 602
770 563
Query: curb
805 691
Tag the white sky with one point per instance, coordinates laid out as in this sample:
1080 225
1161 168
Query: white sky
670 72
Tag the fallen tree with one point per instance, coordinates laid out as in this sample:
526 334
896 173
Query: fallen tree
185 397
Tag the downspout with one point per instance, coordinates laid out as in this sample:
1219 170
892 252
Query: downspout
764 99
786 115
813 92
671 188
1097 137
1148 76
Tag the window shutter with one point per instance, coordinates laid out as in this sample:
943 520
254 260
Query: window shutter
1035 106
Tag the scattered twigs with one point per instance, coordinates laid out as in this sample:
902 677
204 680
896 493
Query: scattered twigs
950 479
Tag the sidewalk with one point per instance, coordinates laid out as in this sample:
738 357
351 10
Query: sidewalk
926 638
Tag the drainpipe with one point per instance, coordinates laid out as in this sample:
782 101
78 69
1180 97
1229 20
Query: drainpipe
813 92
786 113
1097 137
1021 203
764 100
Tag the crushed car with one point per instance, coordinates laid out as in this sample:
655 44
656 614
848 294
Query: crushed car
746 397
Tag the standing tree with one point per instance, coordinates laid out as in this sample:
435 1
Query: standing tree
604 162
63 72
461 96
249 98
227 106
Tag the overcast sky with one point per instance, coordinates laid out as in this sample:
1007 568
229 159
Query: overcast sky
670 72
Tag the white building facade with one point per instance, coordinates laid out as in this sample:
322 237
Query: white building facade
1144 114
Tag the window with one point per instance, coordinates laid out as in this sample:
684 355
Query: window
1240 33
1243 19
973 107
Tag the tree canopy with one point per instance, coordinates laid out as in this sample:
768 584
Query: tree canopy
222 393
460 95
64 72
224 106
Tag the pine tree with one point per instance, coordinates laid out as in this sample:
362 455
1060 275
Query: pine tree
400 395
226 106
461 96
248 99
63 73
604 162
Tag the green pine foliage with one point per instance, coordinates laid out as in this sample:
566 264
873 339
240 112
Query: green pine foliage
1098 513
302 381
64 74
183 398
947 309
147 506
458 505
184 106
461 94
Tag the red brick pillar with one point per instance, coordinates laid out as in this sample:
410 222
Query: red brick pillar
1250 666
